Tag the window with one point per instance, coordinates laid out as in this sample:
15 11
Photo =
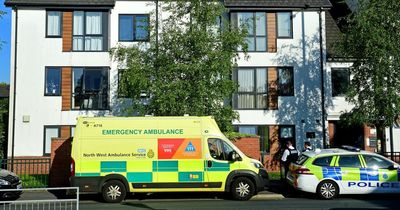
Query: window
252 90
53 21
376 162
285 81
286 133
323 161
284 24
52 81
219 149
340 81
90 88
351 161
49 133
73 131
89 31
260 130
133 27
255 23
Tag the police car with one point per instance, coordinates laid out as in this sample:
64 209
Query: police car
330 172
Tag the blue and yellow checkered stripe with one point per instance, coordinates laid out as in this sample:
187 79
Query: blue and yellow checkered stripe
361 174
144 171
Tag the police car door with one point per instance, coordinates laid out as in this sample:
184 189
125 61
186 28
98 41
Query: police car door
379 176
349 166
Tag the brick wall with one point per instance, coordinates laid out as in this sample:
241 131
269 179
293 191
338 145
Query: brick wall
60 162
32 165
250 146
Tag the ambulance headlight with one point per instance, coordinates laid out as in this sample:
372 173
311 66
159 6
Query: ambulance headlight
257 164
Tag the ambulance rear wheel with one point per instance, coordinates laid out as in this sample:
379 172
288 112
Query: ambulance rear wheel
242 189
327 190
113 191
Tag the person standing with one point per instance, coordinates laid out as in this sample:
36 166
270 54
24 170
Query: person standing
307 146
290 155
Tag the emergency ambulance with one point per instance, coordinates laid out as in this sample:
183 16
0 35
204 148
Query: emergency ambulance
113 156
331 172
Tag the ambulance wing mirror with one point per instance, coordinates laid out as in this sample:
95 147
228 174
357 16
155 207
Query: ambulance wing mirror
393 167
234 156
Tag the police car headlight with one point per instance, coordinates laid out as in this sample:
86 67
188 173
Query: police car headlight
4 182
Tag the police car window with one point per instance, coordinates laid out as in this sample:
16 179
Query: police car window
302 159
349 161
376 162
215 147
323 161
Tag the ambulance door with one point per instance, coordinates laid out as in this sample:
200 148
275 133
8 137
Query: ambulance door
379 173
349 169
217 166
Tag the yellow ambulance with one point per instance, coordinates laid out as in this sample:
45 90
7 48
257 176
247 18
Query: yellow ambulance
113 156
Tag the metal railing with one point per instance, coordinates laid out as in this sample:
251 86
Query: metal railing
29 199
395 157
33 172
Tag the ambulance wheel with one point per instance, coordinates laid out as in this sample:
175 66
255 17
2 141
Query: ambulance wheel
113 191
242 189
327 190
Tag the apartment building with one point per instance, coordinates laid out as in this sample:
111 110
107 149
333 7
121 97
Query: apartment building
61 68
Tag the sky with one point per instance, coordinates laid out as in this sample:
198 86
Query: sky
5 36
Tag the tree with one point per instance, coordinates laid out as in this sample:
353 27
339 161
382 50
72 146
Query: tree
372 40
188 69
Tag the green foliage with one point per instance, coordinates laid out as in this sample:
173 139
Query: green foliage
233 136
372 40
189 71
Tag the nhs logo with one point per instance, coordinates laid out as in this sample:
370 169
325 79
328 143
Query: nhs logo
190 148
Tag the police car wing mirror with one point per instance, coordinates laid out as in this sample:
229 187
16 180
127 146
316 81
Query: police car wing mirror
393 167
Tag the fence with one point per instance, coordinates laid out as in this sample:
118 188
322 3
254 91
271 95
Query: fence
34 172
395 158
51 199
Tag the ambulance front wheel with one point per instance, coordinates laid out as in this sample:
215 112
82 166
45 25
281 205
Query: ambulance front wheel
242 189
327 189
113 191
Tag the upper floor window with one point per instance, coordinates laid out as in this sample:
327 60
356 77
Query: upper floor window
52 81
284 24
255 23
252 90
90 88
133 27
285 81
89 31
340 81
53 23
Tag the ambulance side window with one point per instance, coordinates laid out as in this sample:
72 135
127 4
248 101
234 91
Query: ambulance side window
375 162
351 161
215 147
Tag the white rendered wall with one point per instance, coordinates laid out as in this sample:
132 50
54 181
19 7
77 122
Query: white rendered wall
302 52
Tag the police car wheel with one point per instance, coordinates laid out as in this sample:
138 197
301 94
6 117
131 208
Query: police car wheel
242 189
113 191
327 190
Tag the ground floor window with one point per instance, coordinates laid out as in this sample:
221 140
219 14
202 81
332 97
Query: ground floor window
49 133
260 130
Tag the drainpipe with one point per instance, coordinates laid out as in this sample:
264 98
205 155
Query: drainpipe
322 78
15 87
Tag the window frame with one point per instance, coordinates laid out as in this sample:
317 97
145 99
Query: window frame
45 80
262 134
291 25
254 92
348 84
254 36
47 22
292 93
134 27
44 137
106 68
104 34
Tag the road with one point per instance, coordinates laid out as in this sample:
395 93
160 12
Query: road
210 202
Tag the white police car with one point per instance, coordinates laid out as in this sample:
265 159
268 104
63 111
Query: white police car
330 172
